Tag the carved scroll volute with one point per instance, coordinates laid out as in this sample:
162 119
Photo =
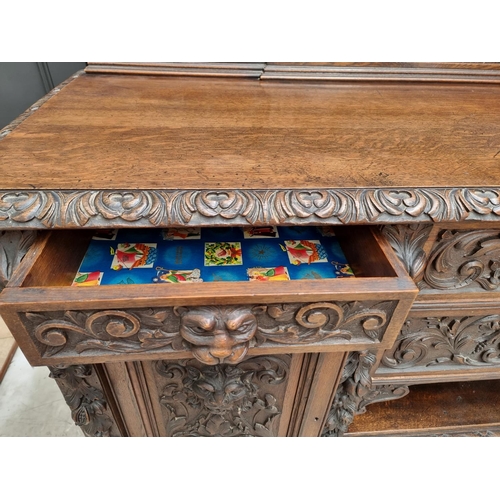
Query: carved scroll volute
461 258
218 334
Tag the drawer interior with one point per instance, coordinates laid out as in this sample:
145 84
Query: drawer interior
58 254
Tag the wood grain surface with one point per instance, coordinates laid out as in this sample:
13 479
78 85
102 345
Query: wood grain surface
138 132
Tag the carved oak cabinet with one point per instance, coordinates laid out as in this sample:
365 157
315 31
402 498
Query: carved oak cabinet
402 160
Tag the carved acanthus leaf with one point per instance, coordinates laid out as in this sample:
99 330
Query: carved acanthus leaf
464 258
469 340
111 330
308 323
86 401
13 247
356 392
407 241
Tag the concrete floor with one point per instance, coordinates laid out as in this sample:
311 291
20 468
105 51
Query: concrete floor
31 404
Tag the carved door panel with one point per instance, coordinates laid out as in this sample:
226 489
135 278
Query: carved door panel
263 396
252 398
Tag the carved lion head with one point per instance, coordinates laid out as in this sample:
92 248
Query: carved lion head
217 334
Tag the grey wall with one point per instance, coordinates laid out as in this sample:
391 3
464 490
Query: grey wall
22 84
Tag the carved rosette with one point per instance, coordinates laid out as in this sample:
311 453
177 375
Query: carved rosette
13 247
356 392
431 342
64 209
213 334
407 242
465 258
84 396
224 400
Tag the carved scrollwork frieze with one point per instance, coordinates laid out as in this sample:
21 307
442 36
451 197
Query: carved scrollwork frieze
223 400
462 259
214 334
85 398
431 342
308 323
64 209
75 332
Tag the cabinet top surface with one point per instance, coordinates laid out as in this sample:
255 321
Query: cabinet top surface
105 132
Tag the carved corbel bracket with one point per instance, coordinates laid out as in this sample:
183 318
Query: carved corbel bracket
356 392
13 247
85 398
408 241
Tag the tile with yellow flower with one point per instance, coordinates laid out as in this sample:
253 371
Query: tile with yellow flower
223 253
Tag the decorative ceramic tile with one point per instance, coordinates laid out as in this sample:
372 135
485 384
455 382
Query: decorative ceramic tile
172 276
342 270
182 234
134 256
305 252
261 232
88 279
279 273
223 253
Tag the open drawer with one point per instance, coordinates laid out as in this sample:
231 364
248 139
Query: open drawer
215 322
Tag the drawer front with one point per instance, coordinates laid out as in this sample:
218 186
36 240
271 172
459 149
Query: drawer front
439 343
211 322
211 334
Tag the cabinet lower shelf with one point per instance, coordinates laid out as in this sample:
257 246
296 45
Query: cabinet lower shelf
444 409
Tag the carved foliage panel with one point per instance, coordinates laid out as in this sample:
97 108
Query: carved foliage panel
161 207
446 341
214 334
223 400
464 259
83 394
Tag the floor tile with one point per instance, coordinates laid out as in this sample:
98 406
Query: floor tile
31 404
